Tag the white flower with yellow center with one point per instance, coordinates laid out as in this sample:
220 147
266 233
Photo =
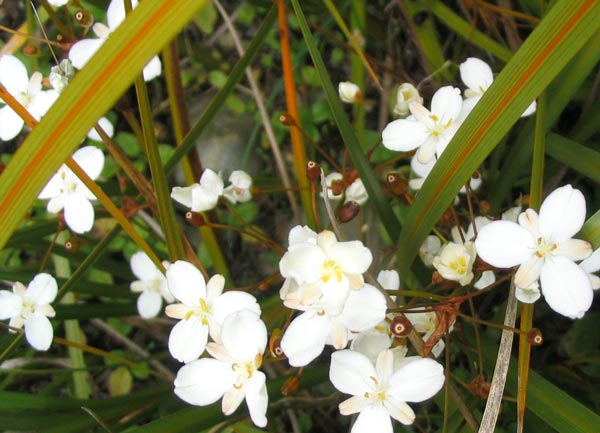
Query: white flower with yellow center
543 248
320 271
455 262
406 94
239 190
381 391
233 374
152 285
202 309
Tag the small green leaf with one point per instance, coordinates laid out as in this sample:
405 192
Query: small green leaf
120 382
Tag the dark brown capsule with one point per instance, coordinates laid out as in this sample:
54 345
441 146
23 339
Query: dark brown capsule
535 337
400 326
84 18
313 170
287 119
194 219
348 211
72 244
397 184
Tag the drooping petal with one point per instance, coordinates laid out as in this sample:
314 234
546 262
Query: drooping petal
82 51
13 74
91 160
187 340
399 410
10 123
371 344
148 304
204 381
476 74
352 372
403 135
42 289
257 398
373 419
338 337
562 214
446 103
79 212
487 278
10 305
529 272
143 267
364 309
417 380
56 204
566 287
244 335
38 331
186 282
305 338
504 244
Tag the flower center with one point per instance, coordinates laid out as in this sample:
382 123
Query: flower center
27 309
439 128
459 265
245 370
330 268
202 312
378 395
544 249
24 98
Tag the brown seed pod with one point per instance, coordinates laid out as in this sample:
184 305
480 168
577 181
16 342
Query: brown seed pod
84 18
72 244
535 337
348 211
400 326
397 184
194 219
287 119
31 50
313 170
291 385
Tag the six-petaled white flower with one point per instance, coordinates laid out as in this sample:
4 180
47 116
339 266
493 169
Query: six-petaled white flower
152 285
82 51
202 309
543 248
203 196
455 262
239 190
381 391
30 308
428 131
233 374
27 91
67 192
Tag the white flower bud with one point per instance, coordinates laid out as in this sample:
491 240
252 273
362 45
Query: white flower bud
349 92
406 93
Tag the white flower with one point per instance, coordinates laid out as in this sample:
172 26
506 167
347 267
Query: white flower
406 94
430 247
429 131
239 190
202 309
592 265
61 74
67 192
203 196
478 77
357 193
380 392
31 308
57 3
320 271
152 285
455 262
28 92
543 249
106 126
233 374
82 51
349 92
306 336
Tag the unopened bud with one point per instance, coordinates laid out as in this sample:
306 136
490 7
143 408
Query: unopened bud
401 326
313 170
291 385
194 218
287 119
348 211
535 337
397 184
349 92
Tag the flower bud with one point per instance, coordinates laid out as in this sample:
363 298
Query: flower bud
194 219
313 170
348 211
401 326
349 92
535 337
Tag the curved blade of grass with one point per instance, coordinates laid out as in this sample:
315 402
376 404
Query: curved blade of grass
381 203
93 92
562 33
577 156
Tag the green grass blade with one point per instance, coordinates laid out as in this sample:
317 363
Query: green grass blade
560 35
580 158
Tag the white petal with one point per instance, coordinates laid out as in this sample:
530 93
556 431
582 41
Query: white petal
10 123
566 287
529 294
530 109
143 267
404 135
148 304
373 419
303 262
446 103
422 169
371 344
187 340
384 365
79 212
352 257
152 69
399 410
203 199
257 398
504 244
232 400
467 107
42 289
476 74
13 74
529 272
417 380
574 249
115 14
56 204
352 372
305 337
562 214
82 51
389 279
353 405
299 234
232 302
425 154
38 331
364 309
106 126
41 103
10 305
184 195
91 160
186 282
214 288
592 263
203 381
244 335
487 278
52 188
